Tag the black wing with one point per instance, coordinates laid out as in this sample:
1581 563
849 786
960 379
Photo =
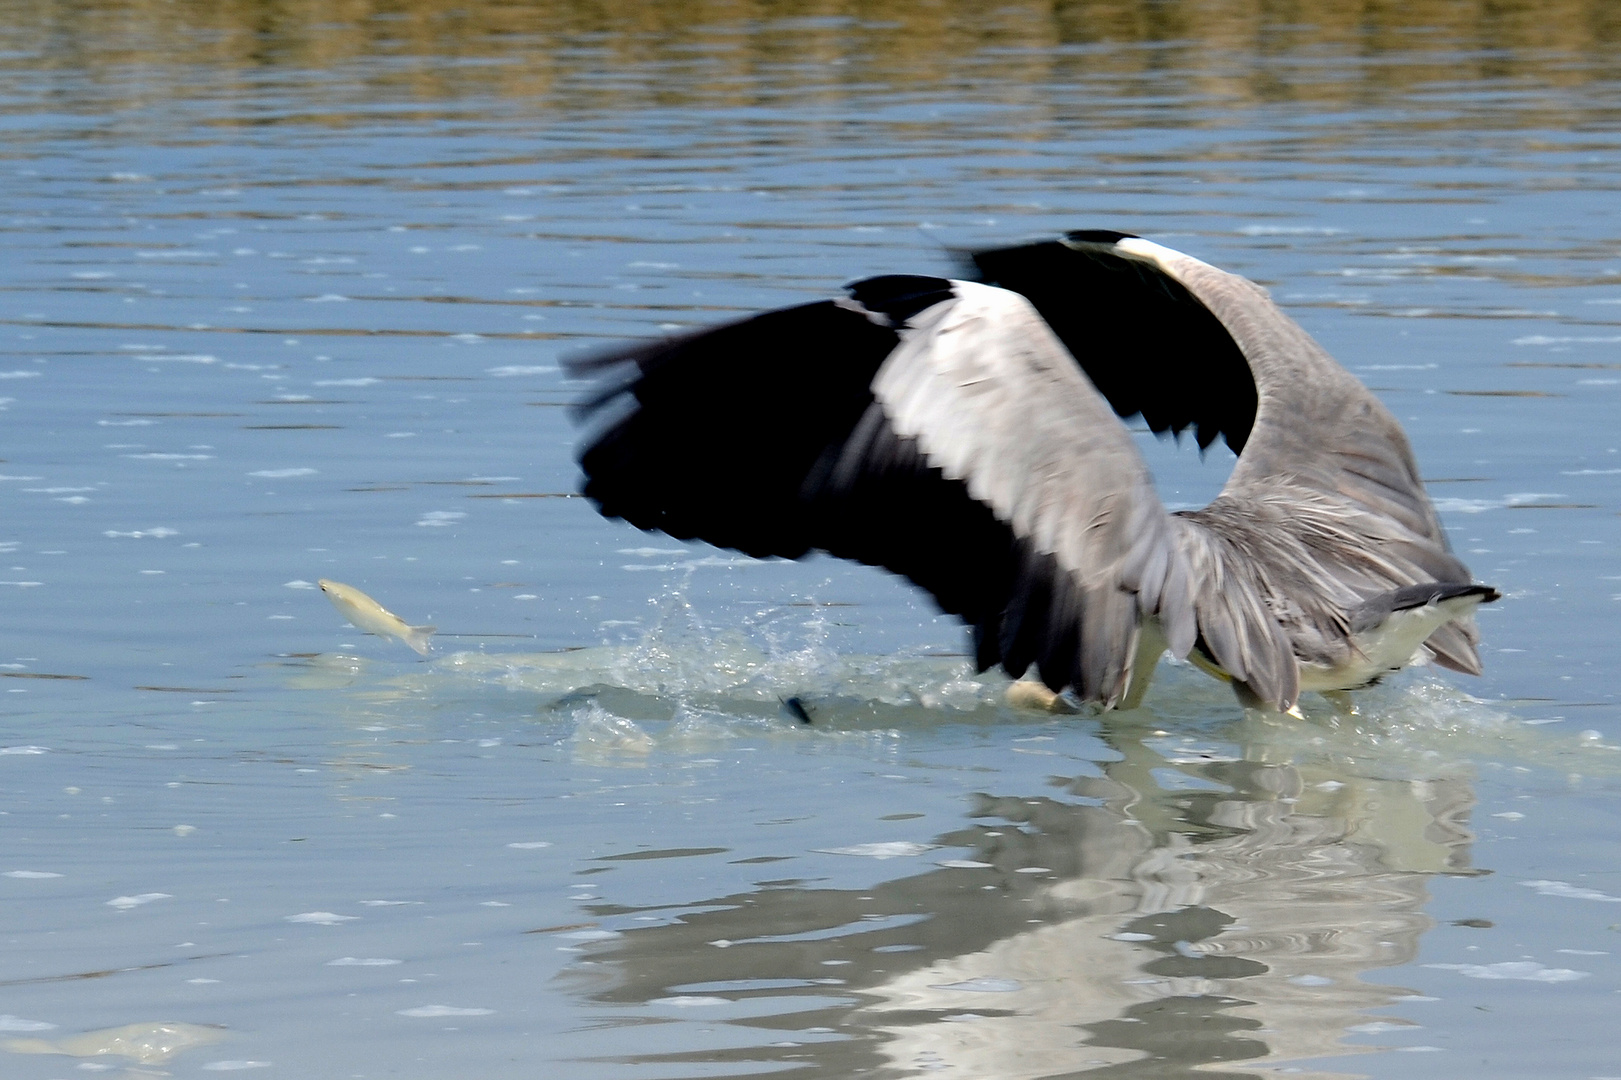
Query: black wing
1147 343
734 435
766 436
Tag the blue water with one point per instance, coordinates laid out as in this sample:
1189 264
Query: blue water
260 326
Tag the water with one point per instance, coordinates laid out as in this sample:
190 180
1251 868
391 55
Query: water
283 296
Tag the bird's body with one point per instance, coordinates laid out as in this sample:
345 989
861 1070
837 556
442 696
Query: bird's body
965 434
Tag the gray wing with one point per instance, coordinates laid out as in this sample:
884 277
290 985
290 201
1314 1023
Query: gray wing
1316 425
992 398
1326 494
1325 508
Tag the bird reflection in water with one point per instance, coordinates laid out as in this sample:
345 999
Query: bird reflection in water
1178 915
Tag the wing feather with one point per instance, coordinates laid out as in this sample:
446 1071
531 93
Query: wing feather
1319 429
935 428
995 400
1212 352
965 435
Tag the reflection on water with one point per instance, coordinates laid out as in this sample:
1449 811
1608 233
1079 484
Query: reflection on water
1211 891
1197 902
1214 888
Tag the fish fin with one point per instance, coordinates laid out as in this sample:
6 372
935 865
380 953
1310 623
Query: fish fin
418 638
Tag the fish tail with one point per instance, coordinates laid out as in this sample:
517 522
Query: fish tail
418 637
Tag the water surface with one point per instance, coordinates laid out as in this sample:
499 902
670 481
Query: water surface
283 295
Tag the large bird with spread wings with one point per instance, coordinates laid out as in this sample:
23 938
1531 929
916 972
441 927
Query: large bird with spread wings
966 435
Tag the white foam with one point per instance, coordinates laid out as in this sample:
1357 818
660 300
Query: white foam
430 1011
17 1023
1378 1027
159 532
124 903
1585 339
887 849
510 370
233 1066
363 961
320 918
284 474
1290 230
1526 970
1570 892
31 874
1477 506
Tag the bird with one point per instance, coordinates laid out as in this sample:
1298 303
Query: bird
968 434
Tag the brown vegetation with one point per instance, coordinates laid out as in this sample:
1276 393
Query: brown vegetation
625 52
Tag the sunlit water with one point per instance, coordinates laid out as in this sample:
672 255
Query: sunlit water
284 298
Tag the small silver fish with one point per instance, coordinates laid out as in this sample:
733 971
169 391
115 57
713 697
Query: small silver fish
368 615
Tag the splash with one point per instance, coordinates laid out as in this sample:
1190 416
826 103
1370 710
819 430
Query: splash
683 683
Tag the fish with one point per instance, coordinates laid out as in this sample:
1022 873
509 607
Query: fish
368 615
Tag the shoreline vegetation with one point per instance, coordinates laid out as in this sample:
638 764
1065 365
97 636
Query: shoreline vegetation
118 55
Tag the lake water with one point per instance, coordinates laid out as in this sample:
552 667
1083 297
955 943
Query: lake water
283 291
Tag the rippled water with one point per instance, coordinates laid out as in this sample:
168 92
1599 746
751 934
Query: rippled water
283 291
